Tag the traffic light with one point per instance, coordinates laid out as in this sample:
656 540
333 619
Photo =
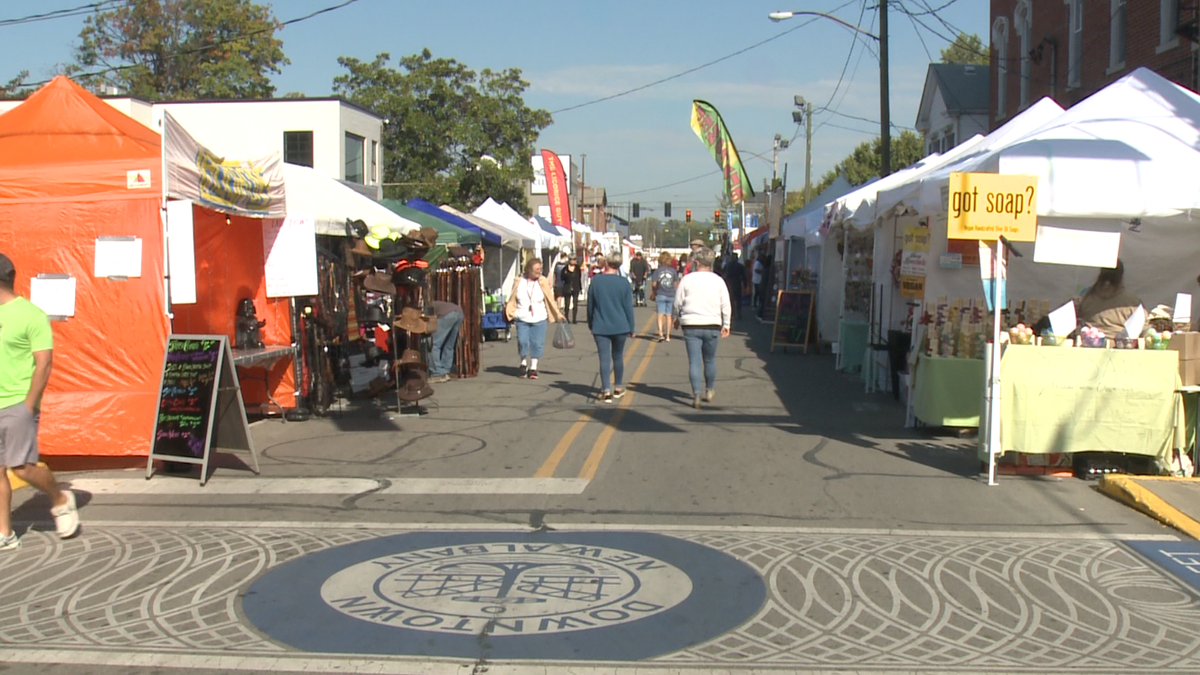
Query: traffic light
689 215
667 210
717 216
636 208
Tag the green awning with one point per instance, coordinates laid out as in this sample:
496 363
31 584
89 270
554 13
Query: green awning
448 233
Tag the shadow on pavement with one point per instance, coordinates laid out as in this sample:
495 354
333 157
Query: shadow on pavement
823 402
633 421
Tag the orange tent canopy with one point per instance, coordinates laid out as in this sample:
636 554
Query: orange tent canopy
65 143
72 169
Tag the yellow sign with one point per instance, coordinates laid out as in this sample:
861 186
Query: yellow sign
987 206
914 258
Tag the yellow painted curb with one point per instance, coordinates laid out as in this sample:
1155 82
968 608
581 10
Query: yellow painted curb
17 483
1127 490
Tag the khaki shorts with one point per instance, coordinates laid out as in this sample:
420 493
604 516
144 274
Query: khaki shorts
18 436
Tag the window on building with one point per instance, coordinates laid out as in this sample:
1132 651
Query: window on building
1116 35
374 161
1168 21
1023 23
1075 43
298 148
932 145
1000 44
948 139
354 158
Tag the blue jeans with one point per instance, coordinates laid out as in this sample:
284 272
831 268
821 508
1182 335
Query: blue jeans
445 340
666 304
612 359
702 357
531 339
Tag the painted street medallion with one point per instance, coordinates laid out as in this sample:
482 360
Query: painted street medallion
608 595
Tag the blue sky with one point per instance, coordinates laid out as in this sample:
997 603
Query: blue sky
575 52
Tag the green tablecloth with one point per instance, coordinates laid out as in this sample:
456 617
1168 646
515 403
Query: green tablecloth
948 392
852 341
1062 399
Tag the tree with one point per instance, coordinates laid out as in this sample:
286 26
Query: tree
966 49
453 135
14 88
181 49
863 163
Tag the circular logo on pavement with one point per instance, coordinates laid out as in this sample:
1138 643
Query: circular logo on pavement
604 595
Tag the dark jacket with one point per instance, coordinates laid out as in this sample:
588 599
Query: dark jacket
571 282
639 269
610 305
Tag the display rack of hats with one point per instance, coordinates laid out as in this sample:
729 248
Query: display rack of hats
460 281
390 271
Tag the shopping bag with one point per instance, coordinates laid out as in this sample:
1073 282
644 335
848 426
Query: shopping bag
563 338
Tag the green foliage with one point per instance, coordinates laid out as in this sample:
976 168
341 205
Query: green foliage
863 163
967 49
181 49
453 135
13 88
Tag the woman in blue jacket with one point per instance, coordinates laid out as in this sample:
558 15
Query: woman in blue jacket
610 318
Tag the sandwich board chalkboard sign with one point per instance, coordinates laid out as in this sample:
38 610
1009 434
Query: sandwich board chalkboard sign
793 319
199 405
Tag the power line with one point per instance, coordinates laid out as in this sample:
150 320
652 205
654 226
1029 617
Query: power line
210 45
849 55
692 70
60 13
669 185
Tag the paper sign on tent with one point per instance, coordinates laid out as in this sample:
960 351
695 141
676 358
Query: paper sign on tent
1136 323
1063 320
1183 308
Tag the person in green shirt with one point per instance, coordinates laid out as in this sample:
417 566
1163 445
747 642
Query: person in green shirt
26 350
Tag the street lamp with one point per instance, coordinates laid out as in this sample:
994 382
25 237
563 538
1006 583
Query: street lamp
885 133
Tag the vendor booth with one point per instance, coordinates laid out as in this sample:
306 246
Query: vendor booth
76 176
1114 176
811 264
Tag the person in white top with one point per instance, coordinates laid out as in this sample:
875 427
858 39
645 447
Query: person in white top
703 310
531 306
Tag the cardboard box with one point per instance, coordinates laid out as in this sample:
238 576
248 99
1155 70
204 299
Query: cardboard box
1187 344
1189 372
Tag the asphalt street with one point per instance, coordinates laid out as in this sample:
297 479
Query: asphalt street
793 524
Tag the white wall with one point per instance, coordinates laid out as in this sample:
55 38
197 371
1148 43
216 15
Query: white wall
247 129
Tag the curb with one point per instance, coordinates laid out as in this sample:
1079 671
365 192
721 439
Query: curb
1127 490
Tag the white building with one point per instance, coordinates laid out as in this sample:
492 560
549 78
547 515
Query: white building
954 105
333 136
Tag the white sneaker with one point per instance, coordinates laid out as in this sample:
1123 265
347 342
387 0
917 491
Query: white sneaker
66 517
10 542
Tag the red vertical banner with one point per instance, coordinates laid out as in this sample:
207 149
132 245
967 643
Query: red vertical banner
556 189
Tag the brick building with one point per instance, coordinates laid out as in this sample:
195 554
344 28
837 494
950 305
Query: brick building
1068 49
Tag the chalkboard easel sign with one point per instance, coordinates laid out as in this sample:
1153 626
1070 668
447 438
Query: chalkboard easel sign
199 404
794 319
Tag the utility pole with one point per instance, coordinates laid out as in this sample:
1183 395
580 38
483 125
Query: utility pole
582 184
885 115
808 111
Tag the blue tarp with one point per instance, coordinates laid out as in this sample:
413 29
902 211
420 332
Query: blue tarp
423 206
547 226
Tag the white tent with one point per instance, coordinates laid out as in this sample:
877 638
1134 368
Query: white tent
1130 150
906 196
504 216
331 204
797 223
508 238
857 208
1123 160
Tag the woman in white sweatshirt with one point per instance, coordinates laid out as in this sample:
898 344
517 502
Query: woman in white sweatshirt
702 309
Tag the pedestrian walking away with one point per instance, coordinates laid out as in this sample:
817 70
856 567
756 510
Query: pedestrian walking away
445 340
610 318
571 281
734 274
639 269
702 310
531 307
26 356
662 293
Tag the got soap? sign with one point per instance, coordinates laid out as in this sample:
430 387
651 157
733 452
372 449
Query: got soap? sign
987 206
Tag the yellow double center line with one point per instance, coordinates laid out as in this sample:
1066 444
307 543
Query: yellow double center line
592 463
